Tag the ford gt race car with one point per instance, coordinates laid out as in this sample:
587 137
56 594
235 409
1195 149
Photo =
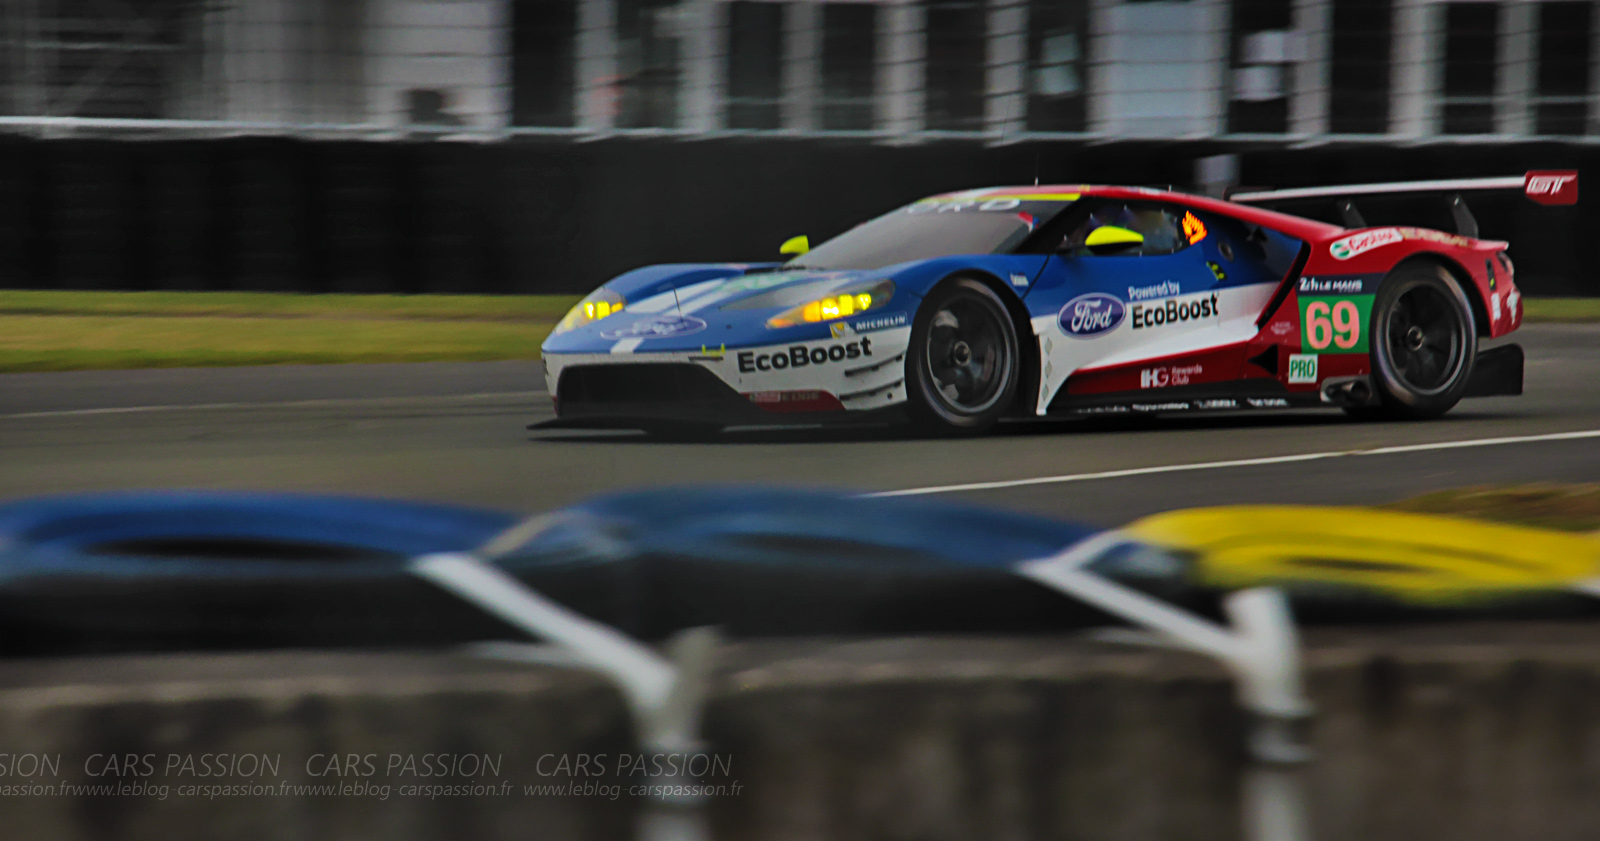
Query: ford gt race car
961 309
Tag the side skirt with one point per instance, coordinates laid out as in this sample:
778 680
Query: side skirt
1241 395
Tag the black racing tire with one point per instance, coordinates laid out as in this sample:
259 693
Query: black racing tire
1423 342
963 365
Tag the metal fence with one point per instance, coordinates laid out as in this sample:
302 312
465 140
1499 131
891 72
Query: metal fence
1293 71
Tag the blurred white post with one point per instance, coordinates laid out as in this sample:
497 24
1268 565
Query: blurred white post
1592 123
1514 78
460 50
666 695
255 45
497 93
1099 114
19 17
1211 66
802 65
1216 173
597 65
1308 103
703 35
1159 68
1005 105
902 50
1260 646
1412 70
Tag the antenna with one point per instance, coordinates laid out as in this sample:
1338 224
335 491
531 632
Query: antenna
1036 167
675 305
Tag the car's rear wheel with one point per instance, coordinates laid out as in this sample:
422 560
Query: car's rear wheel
962 367
1423 343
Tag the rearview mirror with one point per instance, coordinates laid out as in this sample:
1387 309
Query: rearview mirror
1109 239
795 245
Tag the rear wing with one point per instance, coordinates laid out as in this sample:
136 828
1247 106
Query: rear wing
1547 187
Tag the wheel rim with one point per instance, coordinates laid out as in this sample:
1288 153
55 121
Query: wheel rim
967 359
1424 340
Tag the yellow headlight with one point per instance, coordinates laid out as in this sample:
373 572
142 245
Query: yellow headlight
835 307
599 304
846 302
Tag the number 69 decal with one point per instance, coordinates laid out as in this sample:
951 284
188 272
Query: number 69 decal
1335 324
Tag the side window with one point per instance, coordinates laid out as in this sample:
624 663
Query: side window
1161 227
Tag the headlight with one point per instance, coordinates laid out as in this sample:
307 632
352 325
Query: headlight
599 304
838 303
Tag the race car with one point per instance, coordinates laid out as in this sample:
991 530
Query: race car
962 309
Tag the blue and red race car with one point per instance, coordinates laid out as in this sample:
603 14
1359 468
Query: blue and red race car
962 309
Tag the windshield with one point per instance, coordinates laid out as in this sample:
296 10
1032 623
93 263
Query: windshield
936 227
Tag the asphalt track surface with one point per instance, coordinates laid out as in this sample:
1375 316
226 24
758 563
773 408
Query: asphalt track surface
455 432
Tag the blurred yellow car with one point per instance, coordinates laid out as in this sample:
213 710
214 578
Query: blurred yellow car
1419 560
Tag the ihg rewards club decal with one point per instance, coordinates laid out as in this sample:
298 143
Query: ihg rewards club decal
380 776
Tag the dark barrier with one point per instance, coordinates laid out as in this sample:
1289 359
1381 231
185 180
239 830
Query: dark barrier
550 215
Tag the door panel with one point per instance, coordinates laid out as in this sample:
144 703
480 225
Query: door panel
1092 313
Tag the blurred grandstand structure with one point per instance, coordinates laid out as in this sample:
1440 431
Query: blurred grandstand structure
522 146
1295 71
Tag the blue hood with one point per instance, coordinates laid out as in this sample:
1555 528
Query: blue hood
697 317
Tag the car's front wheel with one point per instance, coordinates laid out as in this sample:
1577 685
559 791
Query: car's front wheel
962 367
1424 341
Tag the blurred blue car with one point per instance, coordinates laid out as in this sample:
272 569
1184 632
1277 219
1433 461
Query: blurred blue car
211 570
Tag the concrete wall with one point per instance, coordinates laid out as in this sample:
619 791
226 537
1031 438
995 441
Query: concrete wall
301 709
1450 733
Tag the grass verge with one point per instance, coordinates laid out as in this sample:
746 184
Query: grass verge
63 331
1563 507
547 308
72 330
1560 309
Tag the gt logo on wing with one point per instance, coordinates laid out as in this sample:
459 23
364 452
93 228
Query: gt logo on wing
1552 187
799 356
1539 185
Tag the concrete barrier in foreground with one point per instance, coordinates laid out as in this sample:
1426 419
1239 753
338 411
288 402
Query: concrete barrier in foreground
1463 732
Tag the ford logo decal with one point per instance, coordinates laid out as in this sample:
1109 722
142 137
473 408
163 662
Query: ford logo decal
1091 315
660 327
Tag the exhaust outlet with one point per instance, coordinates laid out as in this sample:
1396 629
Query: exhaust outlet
1348 391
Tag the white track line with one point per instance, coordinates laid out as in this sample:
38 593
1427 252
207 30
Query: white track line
1243 462
285 404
